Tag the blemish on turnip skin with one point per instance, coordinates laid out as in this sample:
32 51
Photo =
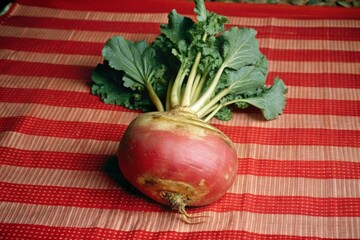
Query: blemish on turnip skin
202 183
155 115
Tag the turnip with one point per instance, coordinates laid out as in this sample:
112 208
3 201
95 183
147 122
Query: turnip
177 159
192 72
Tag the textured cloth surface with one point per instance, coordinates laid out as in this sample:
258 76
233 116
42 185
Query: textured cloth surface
299 175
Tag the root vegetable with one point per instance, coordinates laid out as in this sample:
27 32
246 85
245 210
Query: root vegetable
177 159
192 72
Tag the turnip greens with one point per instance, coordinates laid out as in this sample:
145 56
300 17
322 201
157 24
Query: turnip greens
198 65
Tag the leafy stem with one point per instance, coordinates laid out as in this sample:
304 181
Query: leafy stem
186 100
154 97
196 107
176 87
197 66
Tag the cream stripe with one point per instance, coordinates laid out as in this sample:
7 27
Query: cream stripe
70 35
256 151
119 117
323 93
274 66
293 121
53 58
63 84
295 186
314 67
32 11
31 82
56 177
298 152
281 22
102 37
259 185
59 216
290 44
42 143
65 113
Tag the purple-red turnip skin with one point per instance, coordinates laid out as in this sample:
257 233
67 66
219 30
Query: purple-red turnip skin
177 152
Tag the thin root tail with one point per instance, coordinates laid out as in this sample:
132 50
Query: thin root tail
185 217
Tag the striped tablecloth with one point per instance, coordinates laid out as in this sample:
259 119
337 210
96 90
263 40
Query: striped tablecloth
299 175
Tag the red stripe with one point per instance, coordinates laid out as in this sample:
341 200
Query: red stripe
300 169
80 197
325 169
86 100
63 129
55 98
278 32
21 68
292 136
322 107
113 132
94 49
120 199
32 231
328 80
52 46
315 106
314 33
311 55
56 160
186 7
85 25
328 207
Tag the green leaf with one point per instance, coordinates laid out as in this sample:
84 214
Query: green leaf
215 24
177 28
200 10
224 114
163 47
136 59
240 48
272 101
247 79
177 39
107 84
211 24
139 63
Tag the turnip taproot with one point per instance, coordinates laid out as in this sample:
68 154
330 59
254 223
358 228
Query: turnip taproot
192 72
177 159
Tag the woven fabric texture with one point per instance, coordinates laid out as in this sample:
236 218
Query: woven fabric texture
299 175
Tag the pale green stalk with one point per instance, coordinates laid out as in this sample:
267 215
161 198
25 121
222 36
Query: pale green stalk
217 108
186 100
195 85
196 107
168 96
175 90
154 97
213 102
188 88
199 87
212 112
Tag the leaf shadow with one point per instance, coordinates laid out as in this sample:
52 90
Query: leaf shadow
253 113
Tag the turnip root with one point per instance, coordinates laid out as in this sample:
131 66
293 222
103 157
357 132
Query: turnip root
177 159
